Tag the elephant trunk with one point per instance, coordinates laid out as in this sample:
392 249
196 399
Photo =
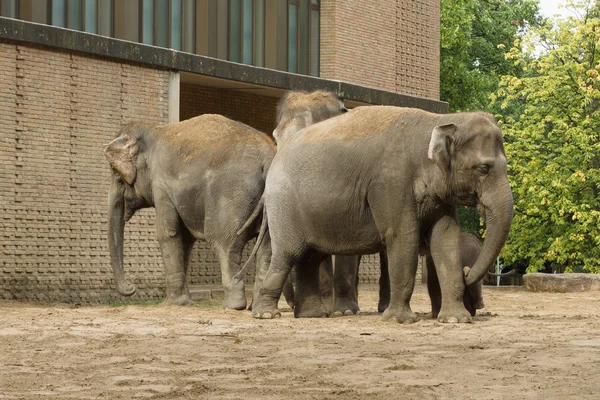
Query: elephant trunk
498 206
116 228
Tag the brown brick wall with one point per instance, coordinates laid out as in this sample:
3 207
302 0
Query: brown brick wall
257 111
386 44
58 110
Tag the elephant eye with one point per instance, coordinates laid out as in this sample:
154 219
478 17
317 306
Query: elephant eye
482 169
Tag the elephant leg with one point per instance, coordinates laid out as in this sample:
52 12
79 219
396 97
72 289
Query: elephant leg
476 293
433 286
175 245
384 283
444 247
265 306
288 291
308 300
346 285
402 254
230 258
326 282
263 260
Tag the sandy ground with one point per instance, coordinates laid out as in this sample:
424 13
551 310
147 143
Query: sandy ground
523 346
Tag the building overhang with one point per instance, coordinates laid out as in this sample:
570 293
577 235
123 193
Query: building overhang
204 70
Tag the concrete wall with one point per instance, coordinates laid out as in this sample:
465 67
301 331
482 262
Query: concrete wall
385 44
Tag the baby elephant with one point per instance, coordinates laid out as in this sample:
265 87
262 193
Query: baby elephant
470 247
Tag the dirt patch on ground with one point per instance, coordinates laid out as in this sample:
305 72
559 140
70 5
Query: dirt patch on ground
526 345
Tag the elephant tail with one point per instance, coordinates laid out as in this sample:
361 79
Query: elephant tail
252 217
239 276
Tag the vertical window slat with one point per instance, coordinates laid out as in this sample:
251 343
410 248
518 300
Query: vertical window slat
189 33
162 23
75 13
9 9
259 33
105 24
175 25
315 42
58 13
292 38
247 24
91 16
234 30
303 34
148 21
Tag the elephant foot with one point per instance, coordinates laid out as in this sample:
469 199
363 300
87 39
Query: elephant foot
265 309
338 313
182 300
454 316
404 315
235 302
345 307
311 313
235 298
382 305
311 309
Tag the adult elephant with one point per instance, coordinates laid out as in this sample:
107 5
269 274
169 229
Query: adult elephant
388 178
205 177
338 278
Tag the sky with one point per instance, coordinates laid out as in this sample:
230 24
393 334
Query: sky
550 7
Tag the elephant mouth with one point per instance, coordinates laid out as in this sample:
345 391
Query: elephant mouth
468 199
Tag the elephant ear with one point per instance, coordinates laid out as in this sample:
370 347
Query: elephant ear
439 146
121 154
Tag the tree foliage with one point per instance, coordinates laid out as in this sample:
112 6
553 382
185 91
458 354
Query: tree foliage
472 37
552 142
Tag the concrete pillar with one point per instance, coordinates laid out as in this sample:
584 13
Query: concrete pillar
174 91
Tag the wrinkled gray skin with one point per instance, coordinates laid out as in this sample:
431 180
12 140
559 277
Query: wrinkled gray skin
389 178
296 111
205 178
470 248
338 277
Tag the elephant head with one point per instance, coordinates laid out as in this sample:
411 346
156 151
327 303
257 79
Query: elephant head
469 152
130 190
297 110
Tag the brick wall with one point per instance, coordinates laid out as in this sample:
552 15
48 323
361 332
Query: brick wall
58 110
386 44
257 111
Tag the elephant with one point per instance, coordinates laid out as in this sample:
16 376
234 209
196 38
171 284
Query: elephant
339 284
341 281
384 178
205 177
470 248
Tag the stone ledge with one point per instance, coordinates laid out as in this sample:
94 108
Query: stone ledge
561 283
18 31
212 292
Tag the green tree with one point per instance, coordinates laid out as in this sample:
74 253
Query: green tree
553 143
472 37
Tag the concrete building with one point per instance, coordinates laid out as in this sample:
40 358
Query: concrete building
72 71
